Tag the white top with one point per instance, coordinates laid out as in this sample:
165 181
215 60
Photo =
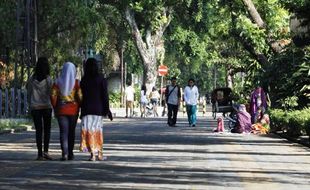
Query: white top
143 98
129 93
154 95
191 95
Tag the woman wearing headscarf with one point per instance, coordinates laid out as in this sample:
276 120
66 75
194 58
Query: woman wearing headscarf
39 89
66 97
243 123
95 105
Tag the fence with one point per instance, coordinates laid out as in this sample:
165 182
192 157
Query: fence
13 103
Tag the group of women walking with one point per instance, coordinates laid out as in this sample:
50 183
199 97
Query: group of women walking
67 96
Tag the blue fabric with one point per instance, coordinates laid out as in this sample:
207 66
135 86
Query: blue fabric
191 114
67 126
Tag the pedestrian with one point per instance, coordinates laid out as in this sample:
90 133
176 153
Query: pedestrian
94 106
243 123
173 100
129 96
154 97
143 100
258 104
39 88
191 96
66 98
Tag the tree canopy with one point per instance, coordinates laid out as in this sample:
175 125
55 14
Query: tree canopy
235 43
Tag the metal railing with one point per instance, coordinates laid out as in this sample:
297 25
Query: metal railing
13 103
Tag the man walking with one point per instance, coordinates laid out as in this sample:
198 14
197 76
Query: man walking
173 99
130 94
191 95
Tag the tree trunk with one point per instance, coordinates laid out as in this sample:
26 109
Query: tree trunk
229 78
254 14
275 45
147 49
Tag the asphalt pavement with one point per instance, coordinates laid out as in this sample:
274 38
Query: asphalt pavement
144 153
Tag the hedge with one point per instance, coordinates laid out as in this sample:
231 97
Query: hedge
294 123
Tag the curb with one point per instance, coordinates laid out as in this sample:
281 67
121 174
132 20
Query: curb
19 129
304 142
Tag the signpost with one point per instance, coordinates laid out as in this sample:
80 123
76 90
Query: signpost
162 71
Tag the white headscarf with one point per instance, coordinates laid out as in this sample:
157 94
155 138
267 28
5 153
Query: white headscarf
66 80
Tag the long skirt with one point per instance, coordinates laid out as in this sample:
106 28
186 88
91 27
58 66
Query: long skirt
91 134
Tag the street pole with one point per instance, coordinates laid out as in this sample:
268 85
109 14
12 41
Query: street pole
122 78
161 86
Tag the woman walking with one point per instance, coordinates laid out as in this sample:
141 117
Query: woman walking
39 89
95 105
143 100
191 96
66 97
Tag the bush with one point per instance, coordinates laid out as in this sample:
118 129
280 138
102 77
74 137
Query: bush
278 120
115 98
13 123
295 123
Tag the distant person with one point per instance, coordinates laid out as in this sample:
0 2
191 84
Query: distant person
66 98
258 104
154 97
129 96
143 100
191 96
39 89
173 100
94 106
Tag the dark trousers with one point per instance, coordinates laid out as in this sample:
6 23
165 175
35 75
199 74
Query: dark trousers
172 114
67 124
42 123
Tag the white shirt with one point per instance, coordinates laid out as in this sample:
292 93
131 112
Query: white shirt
143 98
130 93
191 95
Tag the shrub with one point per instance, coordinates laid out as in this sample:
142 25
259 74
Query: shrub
13 123
295 123
115 98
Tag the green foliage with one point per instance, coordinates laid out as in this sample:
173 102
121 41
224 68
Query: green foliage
252 33
114 99
289 102
295 123
289 76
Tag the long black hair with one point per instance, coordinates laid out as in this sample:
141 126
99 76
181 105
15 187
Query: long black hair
143 87
42 69
91 68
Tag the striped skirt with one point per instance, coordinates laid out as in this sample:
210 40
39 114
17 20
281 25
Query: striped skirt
91 134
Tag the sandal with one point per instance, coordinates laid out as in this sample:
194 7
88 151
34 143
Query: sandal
92 157
100 156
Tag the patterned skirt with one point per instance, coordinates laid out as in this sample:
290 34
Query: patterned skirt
91 134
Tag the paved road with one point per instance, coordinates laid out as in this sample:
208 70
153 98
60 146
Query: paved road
146 154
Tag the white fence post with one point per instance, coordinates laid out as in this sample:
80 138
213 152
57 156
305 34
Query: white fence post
13 103
0 103
6 103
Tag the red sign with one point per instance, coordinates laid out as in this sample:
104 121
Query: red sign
162 70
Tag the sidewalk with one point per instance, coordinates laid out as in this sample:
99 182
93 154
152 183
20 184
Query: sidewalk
145 154
121 112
